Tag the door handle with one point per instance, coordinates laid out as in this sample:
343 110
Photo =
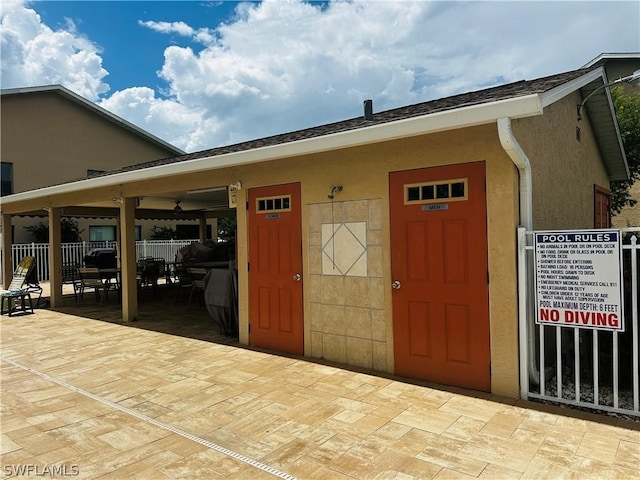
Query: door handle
396 285
297 277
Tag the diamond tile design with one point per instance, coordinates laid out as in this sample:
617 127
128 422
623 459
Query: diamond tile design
344 249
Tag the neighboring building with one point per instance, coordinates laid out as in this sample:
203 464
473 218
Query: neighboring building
616 66
51 135
388 241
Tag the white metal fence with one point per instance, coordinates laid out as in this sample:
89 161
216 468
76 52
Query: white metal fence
75 252
584 367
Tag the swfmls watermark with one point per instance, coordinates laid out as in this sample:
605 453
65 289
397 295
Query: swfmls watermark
34 470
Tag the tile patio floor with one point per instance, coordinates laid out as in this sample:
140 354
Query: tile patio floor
100 399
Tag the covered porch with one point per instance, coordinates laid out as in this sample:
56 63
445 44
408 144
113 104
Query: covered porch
158 312
189 199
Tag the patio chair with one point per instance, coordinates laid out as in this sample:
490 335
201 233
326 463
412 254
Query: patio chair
33 284
18 288
150 270
70 276
182 279
197 283
111 280
90 278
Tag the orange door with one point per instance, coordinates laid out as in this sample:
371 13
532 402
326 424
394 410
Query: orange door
439 267
275 268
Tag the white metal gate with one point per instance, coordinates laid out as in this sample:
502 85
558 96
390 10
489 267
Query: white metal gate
583 367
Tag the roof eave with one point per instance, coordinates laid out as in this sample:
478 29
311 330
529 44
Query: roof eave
604 122
605 57
558 93
464 117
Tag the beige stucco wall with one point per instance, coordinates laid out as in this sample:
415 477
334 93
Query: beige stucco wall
50 140
349 319
366 305
564 170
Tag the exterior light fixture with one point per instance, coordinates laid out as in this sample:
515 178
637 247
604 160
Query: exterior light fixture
633 79
177 210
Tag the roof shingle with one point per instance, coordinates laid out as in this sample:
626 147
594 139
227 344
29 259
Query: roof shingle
488 95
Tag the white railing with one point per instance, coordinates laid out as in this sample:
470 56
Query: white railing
75 252
587 368
165 249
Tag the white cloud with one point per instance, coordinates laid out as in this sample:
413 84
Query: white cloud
180 28
34 54
282 65
165 118
205 36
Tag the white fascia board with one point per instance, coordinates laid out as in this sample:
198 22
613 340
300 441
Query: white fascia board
612 56
474 115
558 93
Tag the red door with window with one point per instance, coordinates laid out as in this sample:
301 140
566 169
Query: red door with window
275 268
440 276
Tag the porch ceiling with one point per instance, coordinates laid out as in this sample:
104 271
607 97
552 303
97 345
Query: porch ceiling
210 202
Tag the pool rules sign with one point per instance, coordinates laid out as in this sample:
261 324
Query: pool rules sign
579 279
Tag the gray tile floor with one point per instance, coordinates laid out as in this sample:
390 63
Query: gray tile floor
169 397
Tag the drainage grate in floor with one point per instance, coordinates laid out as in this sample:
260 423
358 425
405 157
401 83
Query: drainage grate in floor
165 426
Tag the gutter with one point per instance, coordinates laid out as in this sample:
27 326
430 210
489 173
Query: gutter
521 161
462 117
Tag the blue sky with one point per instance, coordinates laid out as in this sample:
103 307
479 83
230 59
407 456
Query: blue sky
201 74
132 52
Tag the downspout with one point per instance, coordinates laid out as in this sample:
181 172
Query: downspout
520 160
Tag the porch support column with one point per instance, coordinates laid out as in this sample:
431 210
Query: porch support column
203 228
7 258
118 245
128 259
55 256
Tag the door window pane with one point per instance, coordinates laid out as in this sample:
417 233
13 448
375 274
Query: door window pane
436 192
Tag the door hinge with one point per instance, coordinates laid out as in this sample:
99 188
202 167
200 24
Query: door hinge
249 328
248 266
